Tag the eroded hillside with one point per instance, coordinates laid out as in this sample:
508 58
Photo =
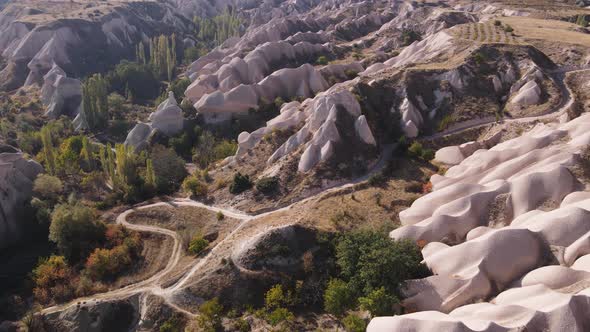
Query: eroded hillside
303 165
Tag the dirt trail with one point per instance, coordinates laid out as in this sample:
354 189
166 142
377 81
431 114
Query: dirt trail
562 108
153 284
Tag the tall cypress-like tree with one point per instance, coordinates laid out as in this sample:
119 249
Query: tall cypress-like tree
86 153
150 175
48 150
95 101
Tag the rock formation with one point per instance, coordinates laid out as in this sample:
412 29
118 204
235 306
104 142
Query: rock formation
60 94
168 119
16 184
528 260
77 41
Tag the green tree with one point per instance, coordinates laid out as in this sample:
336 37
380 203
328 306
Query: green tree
87 154
95 102
169 169
135 81
75 230
48 150
369 260
150 175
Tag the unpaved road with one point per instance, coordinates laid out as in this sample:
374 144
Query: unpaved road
153 284
566 102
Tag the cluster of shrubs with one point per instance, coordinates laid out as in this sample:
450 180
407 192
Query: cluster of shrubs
90 253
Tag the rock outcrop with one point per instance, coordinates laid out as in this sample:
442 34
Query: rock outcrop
60 94
517 225
303 81
16 184
317 120
168 119
77 41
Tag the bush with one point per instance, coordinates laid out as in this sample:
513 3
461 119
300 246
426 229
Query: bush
220 216
42 211
242 325
104 264
376 179
267 185
52 278
338 297
410 36
48 187
194 186
279 315
428 154
497 23
322 61
191 54
197 245
508 28
224 149
353 323
75 230
240 184
479 58
210 316
179 87
416 150
173 324
277 297
116 105
378 302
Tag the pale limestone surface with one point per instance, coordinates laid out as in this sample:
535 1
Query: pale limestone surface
61 95
505 262
167 119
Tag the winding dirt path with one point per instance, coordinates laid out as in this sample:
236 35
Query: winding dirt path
562 108
152 285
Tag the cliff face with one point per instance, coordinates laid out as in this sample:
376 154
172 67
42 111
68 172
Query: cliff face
16 184
80 40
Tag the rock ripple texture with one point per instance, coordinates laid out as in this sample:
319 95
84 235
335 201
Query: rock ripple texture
505 228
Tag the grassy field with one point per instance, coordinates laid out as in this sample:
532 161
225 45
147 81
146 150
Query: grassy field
547 30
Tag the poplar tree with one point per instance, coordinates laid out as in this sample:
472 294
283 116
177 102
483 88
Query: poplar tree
150 175
95 102
87 153
48 150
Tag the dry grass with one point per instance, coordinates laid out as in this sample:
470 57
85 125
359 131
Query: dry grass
188 221
547 30
66 9
484 33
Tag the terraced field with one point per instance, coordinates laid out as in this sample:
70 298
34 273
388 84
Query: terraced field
489 32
